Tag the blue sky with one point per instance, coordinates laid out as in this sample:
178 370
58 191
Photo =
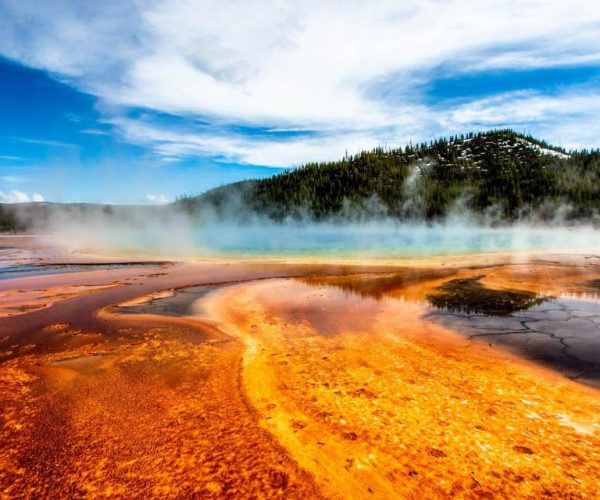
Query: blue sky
128 102
53 141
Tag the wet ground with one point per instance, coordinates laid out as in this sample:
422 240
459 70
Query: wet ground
561 333
37 269
470 378
555 323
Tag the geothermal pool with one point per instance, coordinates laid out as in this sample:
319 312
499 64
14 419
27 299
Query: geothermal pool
392 241
381 240
463 375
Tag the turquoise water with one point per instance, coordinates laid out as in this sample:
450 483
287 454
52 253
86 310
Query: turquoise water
370 241
359 241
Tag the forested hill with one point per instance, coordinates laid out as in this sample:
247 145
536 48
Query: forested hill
509 173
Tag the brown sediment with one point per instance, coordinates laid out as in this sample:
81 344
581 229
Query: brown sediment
22 301
594 284
334 383
380 285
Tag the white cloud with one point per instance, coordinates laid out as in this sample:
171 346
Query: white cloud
312 65
14 196
158 199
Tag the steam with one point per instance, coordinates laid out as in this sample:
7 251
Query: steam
413 206
168 231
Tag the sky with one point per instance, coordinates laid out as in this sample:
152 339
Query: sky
130 101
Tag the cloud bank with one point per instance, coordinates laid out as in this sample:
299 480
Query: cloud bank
15 196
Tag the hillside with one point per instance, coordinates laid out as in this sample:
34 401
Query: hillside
501 171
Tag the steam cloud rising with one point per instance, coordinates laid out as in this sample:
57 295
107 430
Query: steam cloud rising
169 231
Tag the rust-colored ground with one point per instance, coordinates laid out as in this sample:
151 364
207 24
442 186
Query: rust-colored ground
374 401
292 381
159 417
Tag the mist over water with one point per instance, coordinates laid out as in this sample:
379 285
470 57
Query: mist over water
388 239
171 233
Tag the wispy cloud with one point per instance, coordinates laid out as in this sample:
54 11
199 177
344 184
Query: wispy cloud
94 131
352 73
242 148
45 142
567 119
525 107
